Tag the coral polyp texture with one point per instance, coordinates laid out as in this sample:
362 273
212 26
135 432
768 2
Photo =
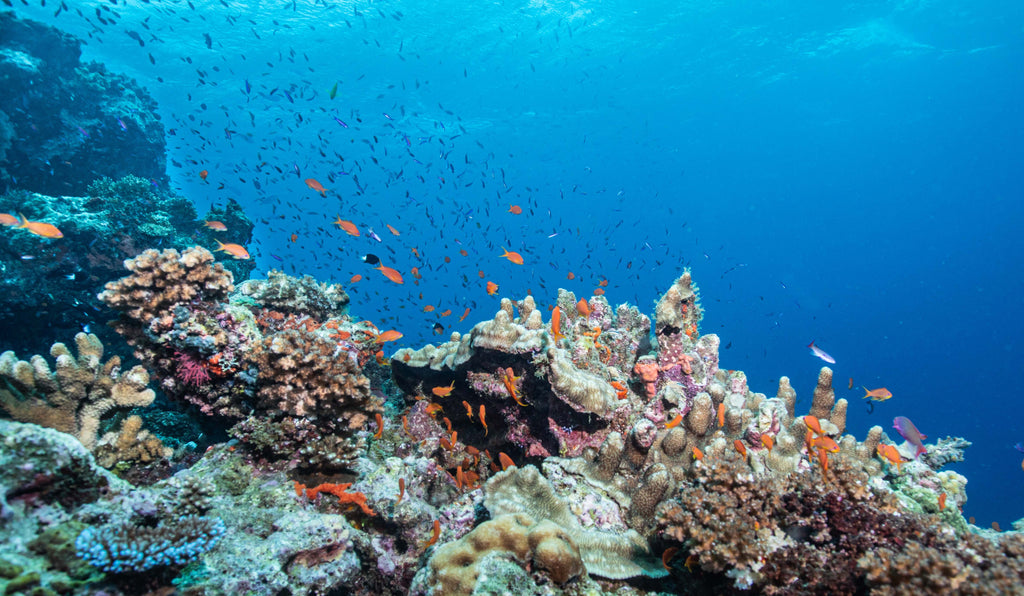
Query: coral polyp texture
584 451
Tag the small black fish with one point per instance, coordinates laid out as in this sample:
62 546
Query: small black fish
370 259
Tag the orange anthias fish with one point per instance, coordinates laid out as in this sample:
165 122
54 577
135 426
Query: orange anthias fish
513 256
721 415
813 424
571 276
583 308
826 443
469 409
391 335
740 447
483 418
391 274
39 228
891 455
443 391
236 250
492 288
392 230
428 308
6 219
349 227
203 174
355 278
556 324
515 209
768 442
880 394
464 314
217 226
312 183
675 421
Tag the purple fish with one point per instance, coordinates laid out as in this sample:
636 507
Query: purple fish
821 353
910 433
340 121
121 124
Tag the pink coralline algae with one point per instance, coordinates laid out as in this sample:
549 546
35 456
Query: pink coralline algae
191 370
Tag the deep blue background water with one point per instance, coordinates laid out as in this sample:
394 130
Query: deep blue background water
845 174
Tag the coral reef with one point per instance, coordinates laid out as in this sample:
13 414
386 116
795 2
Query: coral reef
290 381
532 457
111 223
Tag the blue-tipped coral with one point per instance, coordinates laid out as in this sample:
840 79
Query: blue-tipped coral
130 548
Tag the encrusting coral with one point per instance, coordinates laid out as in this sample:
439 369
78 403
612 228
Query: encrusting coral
76 394
455 567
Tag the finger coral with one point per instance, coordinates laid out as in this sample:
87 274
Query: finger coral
130 444
76 394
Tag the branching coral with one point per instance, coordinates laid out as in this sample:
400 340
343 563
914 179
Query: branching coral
972 565
130 444
77 394
162 279
131 548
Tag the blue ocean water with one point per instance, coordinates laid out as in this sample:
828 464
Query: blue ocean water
848 174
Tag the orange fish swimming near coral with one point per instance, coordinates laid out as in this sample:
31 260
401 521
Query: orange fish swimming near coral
556 323
312 183
216 226
391 335
236 250
40 228
492 288
512 256
890 454
880 394
443 391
